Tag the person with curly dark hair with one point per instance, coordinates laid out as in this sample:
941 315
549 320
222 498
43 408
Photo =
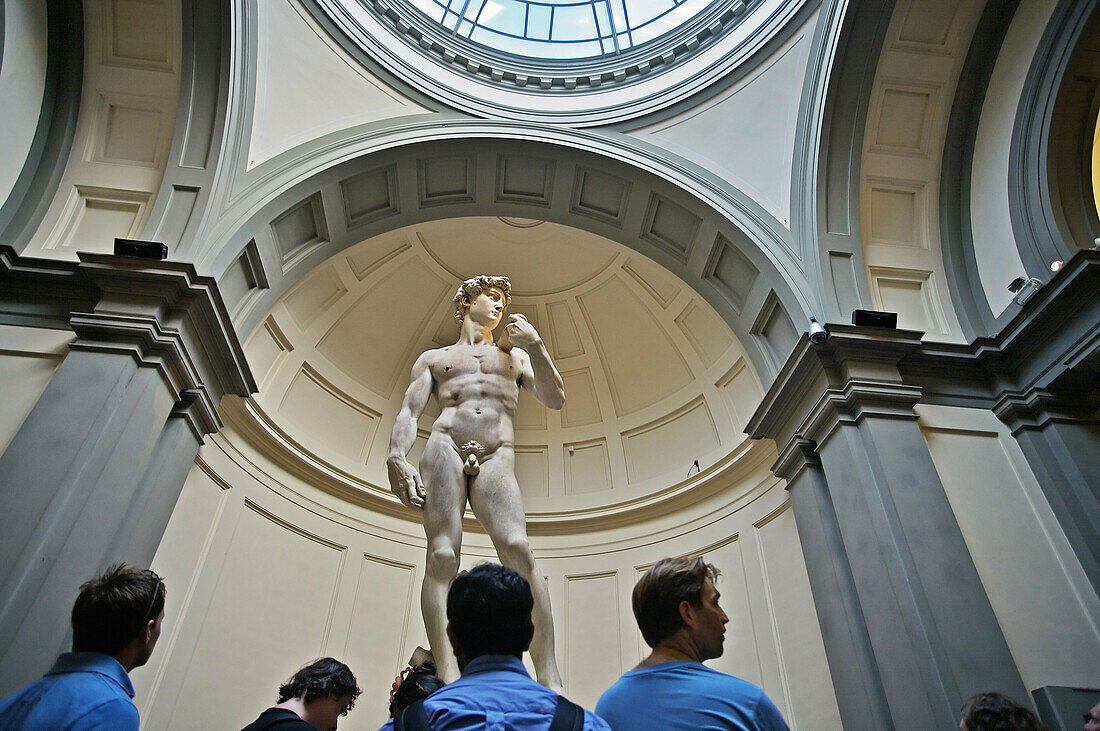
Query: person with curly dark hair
413 684
995 712
313 699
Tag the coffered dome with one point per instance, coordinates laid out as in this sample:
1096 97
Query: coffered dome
654 378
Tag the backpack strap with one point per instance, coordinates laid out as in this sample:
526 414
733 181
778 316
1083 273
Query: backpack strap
412 718
568 716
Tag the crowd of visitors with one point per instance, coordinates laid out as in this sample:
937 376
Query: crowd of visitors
117 619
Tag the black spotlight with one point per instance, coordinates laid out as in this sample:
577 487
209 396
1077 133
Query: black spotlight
874 318
144 249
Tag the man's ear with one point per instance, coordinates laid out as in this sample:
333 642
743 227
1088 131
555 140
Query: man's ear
687 614
147 632
530 636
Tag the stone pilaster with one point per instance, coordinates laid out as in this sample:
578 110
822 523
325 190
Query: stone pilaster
909 631
95 470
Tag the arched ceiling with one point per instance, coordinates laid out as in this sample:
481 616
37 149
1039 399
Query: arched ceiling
654 378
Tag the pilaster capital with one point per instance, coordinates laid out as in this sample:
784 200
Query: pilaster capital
799 454
166 316
1037 407
853 374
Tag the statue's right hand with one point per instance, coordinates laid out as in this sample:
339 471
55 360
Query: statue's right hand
406 483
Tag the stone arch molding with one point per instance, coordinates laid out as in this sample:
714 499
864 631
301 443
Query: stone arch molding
724 250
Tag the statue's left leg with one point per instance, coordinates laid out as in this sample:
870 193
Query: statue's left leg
495 499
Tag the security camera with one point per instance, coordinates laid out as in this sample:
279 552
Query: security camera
1024 289
818 334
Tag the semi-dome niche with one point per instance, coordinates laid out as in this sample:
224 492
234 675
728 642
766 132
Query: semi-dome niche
655 379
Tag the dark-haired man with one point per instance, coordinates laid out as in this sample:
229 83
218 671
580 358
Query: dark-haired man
116 622
313 699
676 605
489 627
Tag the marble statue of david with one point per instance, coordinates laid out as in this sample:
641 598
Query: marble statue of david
470 455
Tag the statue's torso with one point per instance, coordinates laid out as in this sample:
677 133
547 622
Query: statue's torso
477 387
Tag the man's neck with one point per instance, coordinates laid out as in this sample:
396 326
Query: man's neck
474 334
674 649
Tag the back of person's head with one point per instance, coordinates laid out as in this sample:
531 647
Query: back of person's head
657 595
320 679
995 712
418 683
113 608
489 608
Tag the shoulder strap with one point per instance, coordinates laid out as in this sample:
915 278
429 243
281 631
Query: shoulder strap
568 716
412 718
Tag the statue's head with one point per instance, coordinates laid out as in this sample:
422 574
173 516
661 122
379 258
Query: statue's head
471 288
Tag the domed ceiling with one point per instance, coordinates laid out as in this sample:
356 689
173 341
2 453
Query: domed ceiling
654 379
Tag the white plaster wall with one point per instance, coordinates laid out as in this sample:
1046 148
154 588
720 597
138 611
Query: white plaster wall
22 83
994 245
1039 592
308 86
265 573
746 134
28 358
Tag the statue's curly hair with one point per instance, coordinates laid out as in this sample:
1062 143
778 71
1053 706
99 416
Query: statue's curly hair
474 286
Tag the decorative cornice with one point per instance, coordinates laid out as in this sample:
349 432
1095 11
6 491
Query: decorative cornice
143 338
41 292
171 310
1044 366
251 425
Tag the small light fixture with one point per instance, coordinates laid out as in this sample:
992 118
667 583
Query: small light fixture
1056 265
1024 288
818 334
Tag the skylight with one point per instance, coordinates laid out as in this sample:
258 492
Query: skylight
560 29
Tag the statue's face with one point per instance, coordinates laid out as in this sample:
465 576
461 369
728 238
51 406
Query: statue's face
487 308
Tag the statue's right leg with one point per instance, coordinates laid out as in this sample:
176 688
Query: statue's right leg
444 503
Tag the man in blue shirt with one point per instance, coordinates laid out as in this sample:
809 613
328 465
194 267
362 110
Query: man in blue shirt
489 627
116 622
676 606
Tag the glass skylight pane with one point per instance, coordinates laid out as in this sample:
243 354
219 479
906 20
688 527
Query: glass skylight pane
562 29
603 21
538 22
643 11
504 18
573 23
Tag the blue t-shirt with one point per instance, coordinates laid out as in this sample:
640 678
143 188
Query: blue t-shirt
83 690
686 695
495 693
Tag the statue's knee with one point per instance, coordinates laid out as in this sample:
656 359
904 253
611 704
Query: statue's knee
517 554
442 561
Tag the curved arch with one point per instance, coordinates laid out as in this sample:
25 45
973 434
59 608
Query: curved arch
40 176
731 260
846 55
1046 183
956 235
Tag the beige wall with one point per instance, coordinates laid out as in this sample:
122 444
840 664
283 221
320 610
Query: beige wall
265 573
28 358
1042 599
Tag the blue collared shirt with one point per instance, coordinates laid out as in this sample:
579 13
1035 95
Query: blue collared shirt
83 690
495 693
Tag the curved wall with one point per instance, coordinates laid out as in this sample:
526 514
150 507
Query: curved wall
995 248
266 572
22 84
